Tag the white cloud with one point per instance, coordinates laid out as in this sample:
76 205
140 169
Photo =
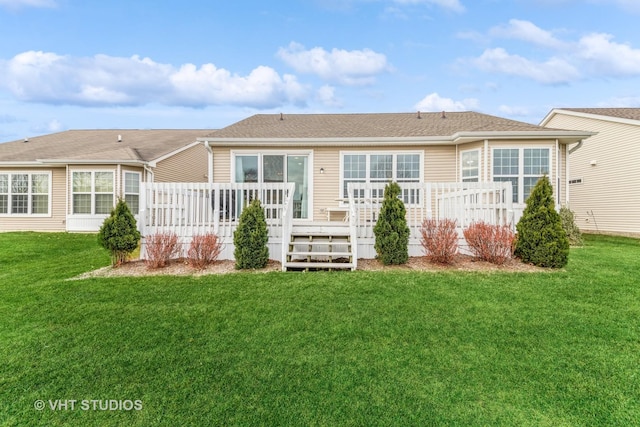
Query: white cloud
514 111
553 71
105 80
593 55
609 58
355 67
17 4
529 32
453 5
434 102
327 96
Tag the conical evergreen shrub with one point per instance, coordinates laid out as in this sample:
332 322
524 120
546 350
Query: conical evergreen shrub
391 231
251 237
119 233
541 239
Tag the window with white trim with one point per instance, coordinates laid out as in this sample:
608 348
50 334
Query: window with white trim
132 191
92 192
470 167
25 193
523 167
381 168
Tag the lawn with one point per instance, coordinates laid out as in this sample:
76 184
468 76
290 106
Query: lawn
558 348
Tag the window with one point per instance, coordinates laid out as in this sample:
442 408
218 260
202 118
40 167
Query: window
470 166
381 168
523 167
92 192
25 193
132 191
276 168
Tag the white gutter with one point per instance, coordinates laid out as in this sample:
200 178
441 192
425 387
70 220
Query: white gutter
457 138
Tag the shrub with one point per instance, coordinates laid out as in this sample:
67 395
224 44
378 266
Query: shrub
203 250
492 243
541 239
570 228
161 248
119 233
391 230
250 238
439 240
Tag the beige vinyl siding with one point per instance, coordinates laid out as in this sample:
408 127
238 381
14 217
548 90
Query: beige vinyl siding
189 165
57 218
327 185
440 164
608 198
222 164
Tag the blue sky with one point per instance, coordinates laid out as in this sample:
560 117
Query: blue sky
72 64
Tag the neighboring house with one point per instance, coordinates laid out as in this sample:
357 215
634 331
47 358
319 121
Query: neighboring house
604 173
71 180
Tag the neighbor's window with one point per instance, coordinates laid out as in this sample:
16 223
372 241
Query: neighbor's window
381 168
92 192
523 167
132 191
25 193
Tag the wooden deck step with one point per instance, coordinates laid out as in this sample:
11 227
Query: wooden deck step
312 253
319 265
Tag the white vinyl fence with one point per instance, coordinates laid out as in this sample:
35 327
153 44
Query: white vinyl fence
189 209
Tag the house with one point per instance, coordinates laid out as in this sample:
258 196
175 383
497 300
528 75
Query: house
71 180
320 178
338 161
604 173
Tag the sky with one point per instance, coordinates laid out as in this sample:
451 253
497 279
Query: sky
123 64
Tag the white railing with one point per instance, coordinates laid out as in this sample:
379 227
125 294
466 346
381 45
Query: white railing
287 225
188 209
353 226
465 202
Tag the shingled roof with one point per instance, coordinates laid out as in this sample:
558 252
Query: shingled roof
100 145
620 113
380 125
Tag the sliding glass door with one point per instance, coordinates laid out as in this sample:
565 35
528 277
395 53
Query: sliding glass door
274 168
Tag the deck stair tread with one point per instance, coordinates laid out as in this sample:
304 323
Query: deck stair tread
318 265
312 253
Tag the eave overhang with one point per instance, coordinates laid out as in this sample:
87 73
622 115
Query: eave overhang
564 137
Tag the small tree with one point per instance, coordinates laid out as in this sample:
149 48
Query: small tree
391 231
541 239
250 238
119 233
569 224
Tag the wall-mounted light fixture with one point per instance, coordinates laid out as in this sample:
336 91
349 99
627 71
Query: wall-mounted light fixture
321 171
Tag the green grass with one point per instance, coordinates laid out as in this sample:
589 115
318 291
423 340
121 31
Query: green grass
556 348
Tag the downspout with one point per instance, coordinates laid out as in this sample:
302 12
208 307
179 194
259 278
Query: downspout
577 147
210 162
559 197
149 172
567 168
67 202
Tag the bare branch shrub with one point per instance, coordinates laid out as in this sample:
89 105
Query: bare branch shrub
439 240
160 249
204 250
492 243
